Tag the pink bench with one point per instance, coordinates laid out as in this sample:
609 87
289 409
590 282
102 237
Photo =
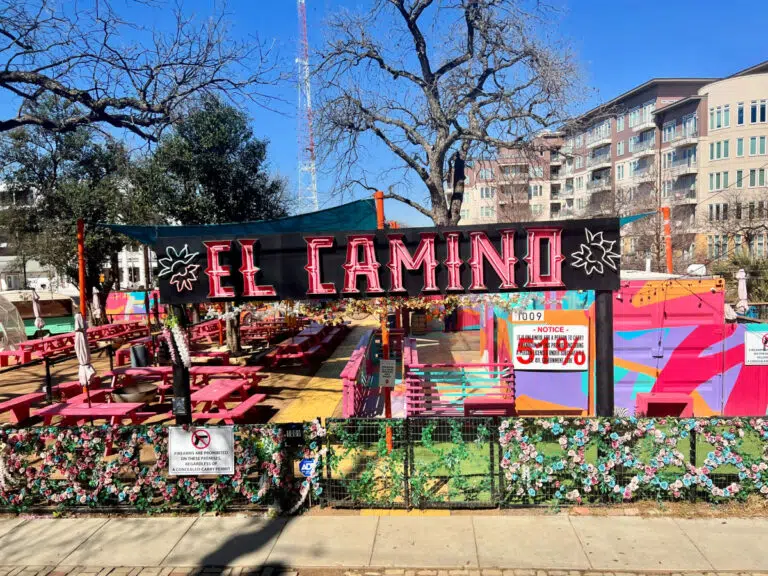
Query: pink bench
20 406
229 416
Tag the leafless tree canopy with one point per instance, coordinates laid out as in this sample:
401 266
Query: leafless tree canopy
428 78
117 72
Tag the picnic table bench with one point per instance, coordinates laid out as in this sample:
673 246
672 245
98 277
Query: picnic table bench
201 375
218 392
205 331
19 407
20 356
51 346
229 416
114 412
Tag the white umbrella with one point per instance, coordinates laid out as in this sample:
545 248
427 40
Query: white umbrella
96 306
85 371
743 304
39 322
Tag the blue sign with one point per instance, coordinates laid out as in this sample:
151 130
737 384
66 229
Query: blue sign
307 467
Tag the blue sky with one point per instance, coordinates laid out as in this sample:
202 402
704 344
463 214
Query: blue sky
619 44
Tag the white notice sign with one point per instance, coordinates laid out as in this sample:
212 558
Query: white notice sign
756 348
199 451
551 347
387 373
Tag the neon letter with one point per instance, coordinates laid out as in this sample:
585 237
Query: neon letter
453 261
551 275
354 267
314 281
424 257
216 271
482 249
249 270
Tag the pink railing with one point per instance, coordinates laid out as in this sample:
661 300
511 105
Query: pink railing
355 377
459 389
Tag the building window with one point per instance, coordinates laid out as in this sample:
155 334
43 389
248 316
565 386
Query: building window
487 211
669 131
579 140
537 171
740 114
581 203
761 245
762 110
761 177
537 209
620 148
620 172
718 180
726 116
726 146
579 183
753 146
485 174
620 123
752 178
740 178
579 162
487 192
762 145
464 215
753 112
534 190
739 146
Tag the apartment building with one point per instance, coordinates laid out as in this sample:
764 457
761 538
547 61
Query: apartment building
697 145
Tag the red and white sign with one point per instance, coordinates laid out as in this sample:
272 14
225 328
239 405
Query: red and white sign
547 347
201 451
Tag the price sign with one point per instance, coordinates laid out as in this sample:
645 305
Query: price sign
387 369
527 315
547 347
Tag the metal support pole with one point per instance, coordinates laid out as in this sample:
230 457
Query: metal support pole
48 381
604 352
81 266
665 212
379 197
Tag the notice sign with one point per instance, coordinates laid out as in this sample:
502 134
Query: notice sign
387 370
199 451
547 347
756 348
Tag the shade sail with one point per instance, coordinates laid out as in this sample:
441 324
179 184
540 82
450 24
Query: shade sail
632 218
360 215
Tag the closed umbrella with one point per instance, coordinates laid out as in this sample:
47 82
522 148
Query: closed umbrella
743 304
85 371
39 322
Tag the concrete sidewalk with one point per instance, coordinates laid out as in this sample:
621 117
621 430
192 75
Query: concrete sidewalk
551 542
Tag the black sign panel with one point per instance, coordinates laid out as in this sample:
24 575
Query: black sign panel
574 254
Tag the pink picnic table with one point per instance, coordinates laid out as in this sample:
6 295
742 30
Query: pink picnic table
218 392
19 406
201 375
163 375
114 412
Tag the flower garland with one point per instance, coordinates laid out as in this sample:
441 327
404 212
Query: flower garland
315 452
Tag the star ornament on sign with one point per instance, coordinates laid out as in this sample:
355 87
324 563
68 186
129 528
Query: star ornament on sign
178 265
596 254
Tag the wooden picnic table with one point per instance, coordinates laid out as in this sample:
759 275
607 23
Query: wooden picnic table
218 392
114 412
205 373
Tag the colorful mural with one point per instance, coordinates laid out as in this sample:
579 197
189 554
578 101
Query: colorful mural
670 336
126 306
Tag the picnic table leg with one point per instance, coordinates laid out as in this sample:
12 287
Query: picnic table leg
20 413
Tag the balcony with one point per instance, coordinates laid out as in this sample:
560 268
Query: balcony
684 195
682 167
555 158
599 184
686 138
644 125
645 174
598 140
597 162
645 148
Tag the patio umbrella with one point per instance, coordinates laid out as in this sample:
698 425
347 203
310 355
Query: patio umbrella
86 371
743 304
39 322
96 306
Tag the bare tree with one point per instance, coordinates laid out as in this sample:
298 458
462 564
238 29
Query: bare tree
741 218
428 79
114 71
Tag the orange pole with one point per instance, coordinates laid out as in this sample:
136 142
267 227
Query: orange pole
379 197
665 212
81 265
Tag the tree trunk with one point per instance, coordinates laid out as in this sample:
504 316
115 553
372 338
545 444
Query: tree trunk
457 198
233 331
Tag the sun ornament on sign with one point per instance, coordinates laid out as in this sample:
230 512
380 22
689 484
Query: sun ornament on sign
595 254
178 265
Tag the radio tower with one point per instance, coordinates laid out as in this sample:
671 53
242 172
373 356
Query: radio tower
307 190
